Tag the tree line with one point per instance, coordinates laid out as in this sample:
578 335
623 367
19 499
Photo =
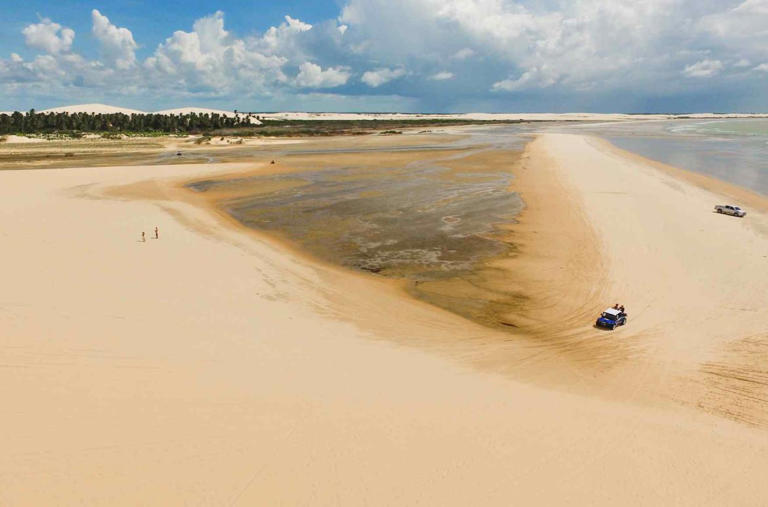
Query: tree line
51 123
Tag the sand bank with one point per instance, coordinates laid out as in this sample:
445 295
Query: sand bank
210 366
693 281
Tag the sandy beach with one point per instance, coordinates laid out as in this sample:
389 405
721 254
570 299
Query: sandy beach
215 366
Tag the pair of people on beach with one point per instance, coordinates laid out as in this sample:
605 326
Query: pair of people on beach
144 237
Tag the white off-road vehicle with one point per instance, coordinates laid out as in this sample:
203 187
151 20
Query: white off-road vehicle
727 209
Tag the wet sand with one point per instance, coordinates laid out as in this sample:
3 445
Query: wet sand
431 219
167 149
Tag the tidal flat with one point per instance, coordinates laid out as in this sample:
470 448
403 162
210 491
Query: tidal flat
432 217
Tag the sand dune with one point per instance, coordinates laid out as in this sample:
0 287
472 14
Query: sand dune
203 110
92 108
499 116
11 139
692 280
328 116
212 366
107 109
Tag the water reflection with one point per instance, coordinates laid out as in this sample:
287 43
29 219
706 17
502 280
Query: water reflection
735 151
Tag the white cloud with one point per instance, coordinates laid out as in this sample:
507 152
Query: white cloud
277 36
209 59
704 68
753 7
635 52
763 67
539 77
49 36
463 54
378 77
117 44
313 76
442 76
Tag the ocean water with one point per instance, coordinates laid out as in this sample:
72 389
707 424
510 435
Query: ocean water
740 127
732 150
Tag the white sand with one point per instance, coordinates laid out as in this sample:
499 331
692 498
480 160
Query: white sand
673 261
693 281
11 139
203 110
107 109
208 367
500 116
93 109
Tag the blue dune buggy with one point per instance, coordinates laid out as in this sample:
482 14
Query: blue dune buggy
611 319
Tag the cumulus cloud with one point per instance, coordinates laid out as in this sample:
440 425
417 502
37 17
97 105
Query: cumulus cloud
763 67
209 59
378 77
442 76
704 68
753 7
538 77
283 38
117 44
633 51
313 76
49 36
463 54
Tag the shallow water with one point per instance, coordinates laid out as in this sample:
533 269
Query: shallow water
732 150
423 221
432 219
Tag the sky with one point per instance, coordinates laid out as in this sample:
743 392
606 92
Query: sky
672 56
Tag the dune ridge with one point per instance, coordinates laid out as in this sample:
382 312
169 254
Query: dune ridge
351 116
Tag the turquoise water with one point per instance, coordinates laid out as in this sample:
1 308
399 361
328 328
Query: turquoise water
731 150
745 127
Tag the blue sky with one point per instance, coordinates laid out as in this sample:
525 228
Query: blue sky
388 55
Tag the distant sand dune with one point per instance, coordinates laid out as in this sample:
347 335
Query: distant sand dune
329 116
106 109
93 109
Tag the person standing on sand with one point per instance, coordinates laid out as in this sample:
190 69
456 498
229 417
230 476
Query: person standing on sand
157 233
143 237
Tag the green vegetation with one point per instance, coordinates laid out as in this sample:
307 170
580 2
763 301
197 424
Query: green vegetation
114 125
314 128
71 124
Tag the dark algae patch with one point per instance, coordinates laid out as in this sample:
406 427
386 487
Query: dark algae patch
434 221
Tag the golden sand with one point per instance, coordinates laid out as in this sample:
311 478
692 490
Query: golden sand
213 366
